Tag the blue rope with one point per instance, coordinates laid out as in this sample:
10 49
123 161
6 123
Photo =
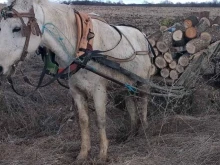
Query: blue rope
131 88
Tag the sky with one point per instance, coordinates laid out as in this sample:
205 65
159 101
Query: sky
140 1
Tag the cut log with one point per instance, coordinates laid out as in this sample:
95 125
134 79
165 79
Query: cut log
201 14
168 57
191 21
153 70
179 68
180 26
156 51
165 42
216 20
163 28
160 62
174 74
214 32
155 36
173 64
178 38
196 45
184 60
165 72
206 36
152 42
204 24
191 33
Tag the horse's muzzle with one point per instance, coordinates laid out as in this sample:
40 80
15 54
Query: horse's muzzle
1 70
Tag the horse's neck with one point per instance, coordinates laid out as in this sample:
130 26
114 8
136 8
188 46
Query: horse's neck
60 31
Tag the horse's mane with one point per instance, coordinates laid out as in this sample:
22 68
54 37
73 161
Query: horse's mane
25 4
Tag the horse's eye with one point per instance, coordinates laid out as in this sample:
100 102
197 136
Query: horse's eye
16 29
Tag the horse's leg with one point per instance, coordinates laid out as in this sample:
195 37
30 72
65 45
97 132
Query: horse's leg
143 104
100 98
82 107
131 108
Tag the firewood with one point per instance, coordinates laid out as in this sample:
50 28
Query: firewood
174 74
178 38
201 14
180 26
196 45
191 33
168 57
206 36
204 24
165 72
179 68
153 70
160 62
216 20
165 42
156 51
155 36
173 64
152 42
191 21
183 60
214 32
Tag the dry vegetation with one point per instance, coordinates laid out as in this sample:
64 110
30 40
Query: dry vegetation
43 129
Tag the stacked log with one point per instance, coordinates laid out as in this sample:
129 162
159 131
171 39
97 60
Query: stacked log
174 46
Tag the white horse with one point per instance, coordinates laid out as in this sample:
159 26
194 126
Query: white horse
54 19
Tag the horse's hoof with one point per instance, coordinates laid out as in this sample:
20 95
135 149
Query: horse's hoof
81 157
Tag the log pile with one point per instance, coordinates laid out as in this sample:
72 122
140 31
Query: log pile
174 46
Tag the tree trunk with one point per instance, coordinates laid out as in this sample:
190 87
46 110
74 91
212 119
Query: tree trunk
191 33
173 64
191 21
179 68
174 74
165 72
204 24
196 45
168 57
160 62
183 60
178 38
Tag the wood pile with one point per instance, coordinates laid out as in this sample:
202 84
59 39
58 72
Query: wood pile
175 45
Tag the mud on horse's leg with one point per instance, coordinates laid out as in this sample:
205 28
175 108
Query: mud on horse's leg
100 98
82 107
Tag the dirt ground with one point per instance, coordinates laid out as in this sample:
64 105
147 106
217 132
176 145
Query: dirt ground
42 129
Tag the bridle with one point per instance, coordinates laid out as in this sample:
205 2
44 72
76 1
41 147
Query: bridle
31 27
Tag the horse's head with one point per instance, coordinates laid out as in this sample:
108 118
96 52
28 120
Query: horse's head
19 33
